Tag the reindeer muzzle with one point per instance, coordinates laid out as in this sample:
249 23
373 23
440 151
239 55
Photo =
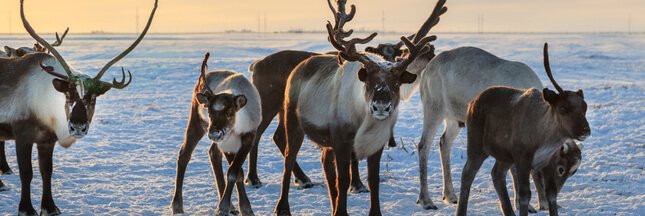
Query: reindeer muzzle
381 111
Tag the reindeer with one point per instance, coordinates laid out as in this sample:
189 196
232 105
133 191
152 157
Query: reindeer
345 113
270 76
227 106
33 110
5 130
521 128
449 82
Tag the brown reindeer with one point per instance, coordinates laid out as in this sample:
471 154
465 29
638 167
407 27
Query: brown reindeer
33 110
270 76
346 104
521 128
226 106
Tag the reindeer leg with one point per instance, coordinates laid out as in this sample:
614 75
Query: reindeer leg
343 159
4 166
235 161
252 180
498 174
215 156
356 185
194 133
445 147
328 161
45 153
295 136
516 188
373 180
431 121
243 199
538 181
301 179
476 157
523 168
24 145
550 188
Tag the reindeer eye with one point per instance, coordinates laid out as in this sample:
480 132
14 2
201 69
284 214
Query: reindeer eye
563 110
560 170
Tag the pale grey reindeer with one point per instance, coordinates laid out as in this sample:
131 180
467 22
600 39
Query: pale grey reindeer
40 105
525 129
270 76
448 83
347 108
226 106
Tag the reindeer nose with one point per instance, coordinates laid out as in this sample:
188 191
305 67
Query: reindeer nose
78 130
381 107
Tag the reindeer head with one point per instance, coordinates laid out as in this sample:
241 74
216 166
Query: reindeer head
382 78
80 89
570 156
569 107
222 107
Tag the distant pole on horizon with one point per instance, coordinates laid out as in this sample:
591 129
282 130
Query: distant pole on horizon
629 28
137 20
265 22
383 22
259 30
10 23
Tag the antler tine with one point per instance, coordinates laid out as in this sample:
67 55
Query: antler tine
433 19
50 70
40 40
414 49
129 49
547 67
203 71
337 34
59 40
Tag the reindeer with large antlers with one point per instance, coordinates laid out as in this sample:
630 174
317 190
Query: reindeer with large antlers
48 107
270 76
525 129
346 104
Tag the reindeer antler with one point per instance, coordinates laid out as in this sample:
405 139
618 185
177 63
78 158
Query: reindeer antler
49 47
414 50
347 49
59 40
433 19
203 72
547 67
120 85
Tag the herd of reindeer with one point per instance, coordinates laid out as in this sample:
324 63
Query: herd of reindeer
344 101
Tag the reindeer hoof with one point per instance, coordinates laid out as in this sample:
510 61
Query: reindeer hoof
303 184
450 199
358 189
55 211
532 210
282 212
426 204
3 187
6 172
253 182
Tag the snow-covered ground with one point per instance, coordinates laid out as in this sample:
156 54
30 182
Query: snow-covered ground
126 165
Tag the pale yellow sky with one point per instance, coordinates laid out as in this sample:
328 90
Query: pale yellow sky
282 15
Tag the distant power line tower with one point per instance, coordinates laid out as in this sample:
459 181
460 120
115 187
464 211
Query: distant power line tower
10 23
480 23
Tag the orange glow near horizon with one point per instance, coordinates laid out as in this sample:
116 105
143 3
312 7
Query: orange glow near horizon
283 15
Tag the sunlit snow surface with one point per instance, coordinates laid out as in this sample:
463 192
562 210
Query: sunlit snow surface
126 164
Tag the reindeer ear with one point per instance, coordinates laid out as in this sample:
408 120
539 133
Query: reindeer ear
11 52
371 49
549 96
362 74
60 85
579 92
202 98
407 77
565 148
240 101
